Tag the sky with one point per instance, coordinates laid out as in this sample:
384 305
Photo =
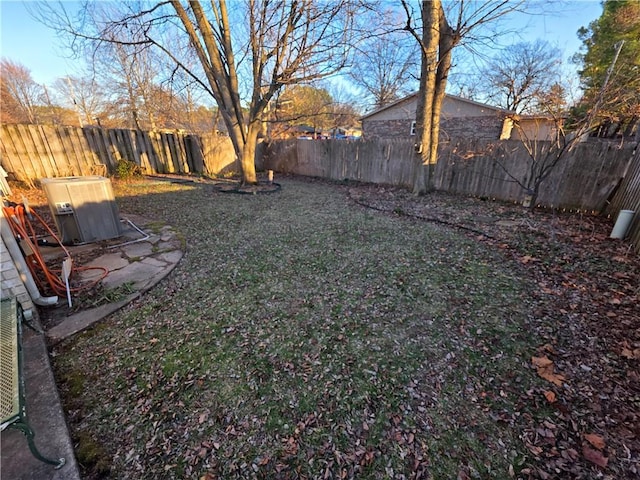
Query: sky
26 41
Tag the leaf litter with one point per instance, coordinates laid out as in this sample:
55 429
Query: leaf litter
305 335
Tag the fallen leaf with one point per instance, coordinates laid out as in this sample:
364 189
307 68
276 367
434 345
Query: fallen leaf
595 440
535 449
630 354
594 456
462 475
550 396
569 454
527 258
545 370
620 259
549 375
541 361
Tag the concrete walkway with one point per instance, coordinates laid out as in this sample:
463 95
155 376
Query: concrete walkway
143 255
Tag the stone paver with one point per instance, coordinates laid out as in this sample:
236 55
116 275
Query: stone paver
81 321
112 261
137 250
171 257
154 262
137 272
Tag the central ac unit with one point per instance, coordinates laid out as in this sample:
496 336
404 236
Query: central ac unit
84 208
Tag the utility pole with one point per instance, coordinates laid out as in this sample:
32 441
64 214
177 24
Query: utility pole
73 99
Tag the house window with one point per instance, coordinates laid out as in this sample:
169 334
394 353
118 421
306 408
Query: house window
413 128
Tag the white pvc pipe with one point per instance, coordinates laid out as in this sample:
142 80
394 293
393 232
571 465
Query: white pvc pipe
623 222
18 260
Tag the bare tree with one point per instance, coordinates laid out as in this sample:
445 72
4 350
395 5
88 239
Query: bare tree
289 43
344 113
131 73
544 156
86 96
190 98
20 93
385 65
438 31
303 105
313 107
273 43
522 75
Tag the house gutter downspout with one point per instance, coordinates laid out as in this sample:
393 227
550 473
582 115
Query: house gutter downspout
18 260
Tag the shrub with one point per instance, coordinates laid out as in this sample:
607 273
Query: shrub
127 169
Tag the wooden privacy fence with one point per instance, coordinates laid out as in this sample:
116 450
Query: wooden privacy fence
599 176
31 152
583 180
627 197
377 161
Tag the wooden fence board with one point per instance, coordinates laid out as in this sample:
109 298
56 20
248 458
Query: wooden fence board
97 141
84 154
183 153
131 138
38 144
152 162
24 147
585 179
39 136
68 149
14 154
64 161
627 197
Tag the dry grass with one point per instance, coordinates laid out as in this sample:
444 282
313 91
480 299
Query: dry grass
304 336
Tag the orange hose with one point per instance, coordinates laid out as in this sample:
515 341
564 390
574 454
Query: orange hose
24 230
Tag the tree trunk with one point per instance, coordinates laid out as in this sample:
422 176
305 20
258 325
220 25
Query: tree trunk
248 157
430 12
445 47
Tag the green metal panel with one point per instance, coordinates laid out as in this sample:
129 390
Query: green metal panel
9 369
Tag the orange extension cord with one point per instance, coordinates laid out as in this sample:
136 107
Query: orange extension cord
22 228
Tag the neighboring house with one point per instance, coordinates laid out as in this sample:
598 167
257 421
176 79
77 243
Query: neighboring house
460 118
534 127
